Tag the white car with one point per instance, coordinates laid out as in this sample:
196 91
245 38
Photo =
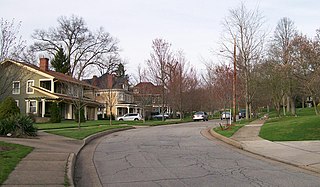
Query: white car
130 117
225 115
200 116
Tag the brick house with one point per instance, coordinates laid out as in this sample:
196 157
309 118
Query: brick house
114 91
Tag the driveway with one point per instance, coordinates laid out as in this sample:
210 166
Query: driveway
179 155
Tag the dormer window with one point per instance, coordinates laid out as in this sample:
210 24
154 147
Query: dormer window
46 84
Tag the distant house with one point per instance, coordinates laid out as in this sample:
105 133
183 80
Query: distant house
39 87
114 92
149 96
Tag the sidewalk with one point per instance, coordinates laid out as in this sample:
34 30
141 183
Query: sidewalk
52 161
303 154
46 164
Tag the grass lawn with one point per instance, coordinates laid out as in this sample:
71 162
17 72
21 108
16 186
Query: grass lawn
306 126
228 132
232 129
84 131
10 155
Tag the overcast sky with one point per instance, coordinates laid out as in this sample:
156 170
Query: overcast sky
193 26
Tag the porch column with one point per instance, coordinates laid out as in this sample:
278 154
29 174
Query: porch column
69 111
85 112
128 108
43 101
27 106
95 113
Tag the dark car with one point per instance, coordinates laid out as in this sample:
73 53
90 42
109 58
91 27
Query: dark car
242 113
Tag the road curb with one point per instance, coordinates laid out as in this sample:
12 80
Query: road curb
243 147
73 156
225 139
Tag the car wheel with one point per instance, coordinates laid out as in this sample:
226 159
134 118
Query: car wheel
120 119
136 119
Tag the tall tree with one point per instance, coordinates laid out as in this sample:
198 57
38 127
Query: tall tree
280 49
160 58
60 62
11 47
85 49
11 43
244 28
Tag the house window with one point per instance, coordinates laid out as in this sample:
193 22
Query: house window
17 102
29 84
33 107
46 84
16 87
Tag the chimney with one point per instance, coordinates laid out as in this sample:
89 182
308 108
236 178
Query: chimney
95 80
44 64
109 81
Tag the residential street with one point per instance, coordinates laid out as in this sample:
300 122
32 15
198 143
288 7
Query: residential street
179 155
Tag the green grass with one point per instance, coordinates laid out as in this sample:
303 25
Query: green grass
302 127
83 132
73 124
228 132
10 156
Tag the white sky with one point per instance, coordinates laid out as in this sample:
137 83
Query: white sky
193 26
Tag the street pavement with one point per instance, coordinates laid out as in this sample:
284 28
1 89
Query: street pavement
182 155
46 164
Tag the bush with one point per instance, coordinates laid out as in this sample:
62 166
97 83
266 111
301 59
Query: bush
82 118
55 113
8 108
18 125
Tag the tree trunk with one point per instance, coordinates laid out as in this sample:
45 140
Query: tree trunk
293 106
110 119
79 118
315 106
284 106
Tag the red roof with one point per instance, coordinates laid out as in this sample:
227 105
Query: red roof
148 88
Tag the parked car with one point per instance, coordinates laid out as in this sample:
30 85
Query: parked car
225 115
159 116
242 113
200 116
130 117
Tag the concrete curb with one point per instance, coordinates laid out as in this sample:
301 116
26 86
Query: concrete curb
73 156
226 140
243 147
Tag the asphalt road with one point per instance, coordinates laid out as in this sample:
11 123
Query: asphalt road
180 155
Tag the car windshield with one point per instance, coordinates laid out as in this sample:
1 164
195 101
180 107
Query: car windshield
199 113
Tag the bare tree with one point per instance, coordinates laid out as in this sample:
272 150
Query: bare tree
306 65
110 98
84 48
244 28
160 58
283 36
11 43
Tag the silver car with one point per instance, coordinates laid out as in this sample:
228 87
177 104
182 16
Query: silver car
200 116
130 117
225 115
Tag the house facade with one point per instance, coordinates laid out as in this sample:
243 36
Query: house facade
149 97
114 94
36 88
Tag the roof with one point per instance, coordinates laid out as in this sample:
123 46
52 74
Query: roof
57 96
108 81
148 88
56 75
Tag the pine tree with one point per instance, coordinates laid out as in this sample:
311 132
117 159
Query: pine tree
61 63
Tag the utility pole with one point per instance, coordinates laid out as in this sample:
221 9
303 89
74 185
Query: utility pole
234 79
